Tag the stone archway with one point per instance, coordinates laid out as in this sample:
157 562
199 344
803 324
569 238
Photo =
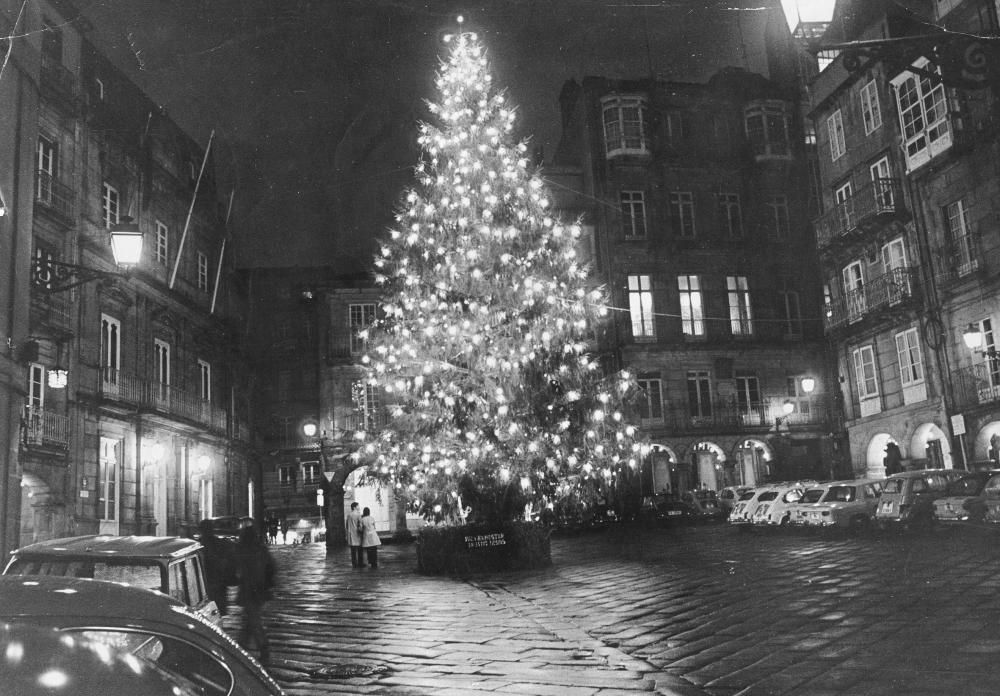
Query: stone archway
875 455
752 462
338 485
708 460
662 462
984 443
41 515
931 446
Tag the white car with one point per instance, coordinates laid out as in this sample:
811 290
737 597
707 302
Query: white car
812 495
845 504
744 506
776 511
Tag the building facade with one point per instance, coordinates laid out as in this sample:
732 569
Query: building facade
696 199
133 409
908 233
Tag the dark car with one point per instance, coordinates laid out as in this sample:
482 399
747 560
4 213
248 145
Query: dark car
150 628
171 565
664 509
964 500
226 526
908 497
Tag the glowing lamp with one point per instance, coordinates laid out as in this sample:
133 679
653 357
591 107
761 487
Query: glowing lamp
972 336
808 384
126 242
58 378
788 407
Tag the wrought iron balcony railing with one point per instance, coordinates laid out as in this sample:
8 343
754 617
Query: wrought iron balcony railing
977 384
732 416
888 290
43 427
884 197
53 194
119 386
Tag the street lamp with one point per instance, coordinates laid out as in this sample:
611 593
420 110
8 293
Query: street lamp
973 337
808 385
51 276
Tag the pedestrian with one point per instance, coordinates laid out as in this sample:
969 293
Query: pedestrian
272 530
255 570
369 537
220 565
352 525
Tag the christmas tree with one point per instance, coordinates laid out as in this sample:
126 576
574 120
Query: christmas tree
484 345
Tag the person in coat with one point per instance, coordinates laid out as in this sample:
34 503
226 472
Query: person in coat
369 537
352 525
220 565
255 570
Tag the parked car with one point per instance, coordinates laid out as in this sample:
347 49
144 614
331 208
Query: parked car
810 497
704 504
729 496
992 494
744 507
226 526
845 505
41 662
908 497
171 565
665 509
152 628
777 511
964 499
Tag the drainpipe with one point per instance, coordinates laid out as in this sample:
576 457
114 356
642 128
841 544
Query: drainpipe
138 475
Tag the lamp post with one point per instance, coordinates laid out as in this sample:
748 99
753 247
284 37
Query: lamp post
50 276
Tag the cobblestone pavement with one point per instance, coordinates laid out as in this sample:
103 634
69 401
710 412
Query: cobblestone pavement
697 610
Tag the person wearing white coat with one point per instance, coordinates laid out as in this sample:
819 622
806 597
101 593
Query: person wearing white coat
369 537
352 525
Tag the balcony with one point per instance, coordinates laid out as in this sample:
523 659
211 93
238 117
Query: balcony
54 196
874 204
161 398
45 428
888 291
730 416
57 78
978 384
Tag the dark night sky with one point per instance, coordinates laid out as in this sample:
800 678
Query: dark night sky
314 102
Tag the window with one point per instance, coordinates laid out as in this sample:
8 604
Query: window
894 270
923 115
825 58
789 309
111 332
52 42
991 360
870 113
682 213
311 472
161 367
747 393
882 183
780 226
206 497
362 316
911 369
36 386
109 205
767 129
162 242
99 88
44 276
650 397
640 306
633 214
740 315
730 214
202 271
854 291
843 195
107 479
204 380
46 169
835 128
286 475
960 235
864 372
367 403
692 317
699 394
624 125
798 396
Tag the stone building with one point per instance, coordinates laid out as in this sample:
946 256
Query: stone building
133 404
695 196
908 237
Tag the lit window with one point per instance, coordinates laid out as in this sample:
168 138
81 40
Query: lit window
633 208
640 303
624 125
162 242
362 316
692 317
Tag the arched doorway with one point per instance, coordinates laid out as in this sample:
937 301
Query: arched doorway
42 517
751 465
662 462
875 456
930 448
708 460
986 446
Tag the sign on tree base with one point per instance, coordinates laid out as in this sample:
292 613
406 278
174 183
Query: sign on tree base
480 548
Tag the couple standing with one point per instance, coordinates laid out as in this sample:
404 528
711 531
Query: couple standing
361 534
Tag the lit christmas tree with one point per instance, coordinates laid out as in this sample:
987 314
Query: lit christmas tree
496 402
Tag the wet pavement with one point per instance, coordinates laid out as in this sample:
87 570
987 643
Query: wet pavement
695 610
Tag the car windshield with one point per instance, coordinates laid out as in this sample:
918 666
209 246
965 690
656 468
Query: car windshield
893 486
748 495
967 485
767 495
147 576
840 494
812 495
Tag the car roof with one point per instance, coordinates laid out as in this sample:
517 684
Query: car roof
917 473
100 545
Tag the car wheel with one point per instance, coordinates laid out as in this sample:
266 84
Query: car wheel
784 521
